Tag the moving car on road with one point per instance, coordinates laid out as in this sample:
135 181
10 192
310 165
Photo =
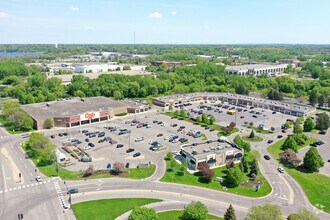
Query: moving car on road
267 157
136 154
38 179
72 191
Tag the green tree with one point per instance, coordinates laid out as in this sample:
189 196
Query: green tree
300 120
170 108
118 68
49 123
322 122
312 160
79 93
287 125
230 213
252 135
198 119
309 124
254 168
234 177
264 212
183 113
212 119
313 97
126 68
118 95
297 129
195 211
143 213
290 143
176 113
245 165
205 118
303 214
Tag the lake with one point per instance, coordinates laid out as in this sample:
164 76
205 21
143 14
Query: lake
17 54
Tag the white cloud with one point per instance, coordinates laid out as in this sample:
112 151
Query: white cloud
74 9
173 13
155 15
3 14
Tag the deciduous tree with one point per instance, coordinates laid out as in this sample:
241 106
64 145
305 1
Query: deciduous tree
312 160
195 211
264 212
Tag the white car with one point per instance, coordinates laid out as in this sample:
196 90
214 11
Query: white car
139 139
38 179
166 138
280 169
163 124
87 148
175 140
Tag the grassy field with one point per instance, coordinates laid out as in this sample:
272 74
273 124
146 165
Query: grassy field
133 173
9 126
316 186
107 208
175 175
255 139
216 127
176 214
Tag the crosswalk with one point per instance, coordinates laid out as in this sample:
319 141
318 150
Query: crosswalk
60 195
4 136
23 187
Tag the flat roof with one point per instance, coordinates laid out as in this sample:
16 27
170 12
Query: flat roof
70 107
255 66
288 106
204 149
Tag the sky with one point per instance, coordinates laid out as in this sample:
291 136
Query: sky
165 21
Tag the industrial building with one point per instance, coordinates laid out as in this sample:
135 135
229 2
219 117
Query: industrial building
296 109
79 111
215 153
256 69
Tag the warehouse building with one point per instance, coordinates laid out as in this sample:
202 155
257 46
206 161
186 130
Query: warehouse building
256 69
296 109
214 153
79 111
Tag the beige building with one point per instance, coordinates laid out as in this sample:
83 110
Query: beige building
79 111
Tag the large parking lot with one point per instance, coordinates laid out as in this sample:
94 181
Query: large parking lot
243 114
125 134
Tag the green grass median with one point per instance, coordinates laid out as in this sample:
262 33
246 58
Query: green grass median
176 175
316 186
108 208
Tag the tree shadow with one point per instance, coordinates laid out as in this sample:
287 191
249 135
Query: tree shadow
179 173
204 180
169 170
167 158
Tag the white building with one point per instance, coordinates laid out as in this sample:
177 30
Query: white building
256 69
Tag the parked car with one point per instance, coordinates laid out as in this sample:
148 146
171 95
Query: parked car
87 148
279 136
159 135
182 140
254 116
139 139
91 144
87 140
322 132
270 141
242 116
127 165
72 191
211 129
112 141
136 154
267 157
173 125
129 150
175 140
52 136
120 145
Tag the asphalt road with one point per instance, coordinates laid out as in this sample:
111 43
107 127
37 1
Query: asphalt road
47 200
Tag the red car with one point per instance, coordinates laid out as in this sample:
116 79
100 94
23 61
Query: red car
173 117
159 135
242 116
211 129
180 129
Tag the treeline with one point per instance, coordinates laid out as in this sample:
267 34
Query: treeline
202 77
268 53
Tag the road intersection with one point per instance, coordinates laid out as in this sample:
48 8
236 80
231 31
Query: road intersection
48 199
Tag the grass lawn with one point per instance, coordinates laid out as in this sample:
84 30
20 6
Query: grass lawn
10 126
107 208
255 139
315 185
176 214
133 173
204 138
175 175
258 130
